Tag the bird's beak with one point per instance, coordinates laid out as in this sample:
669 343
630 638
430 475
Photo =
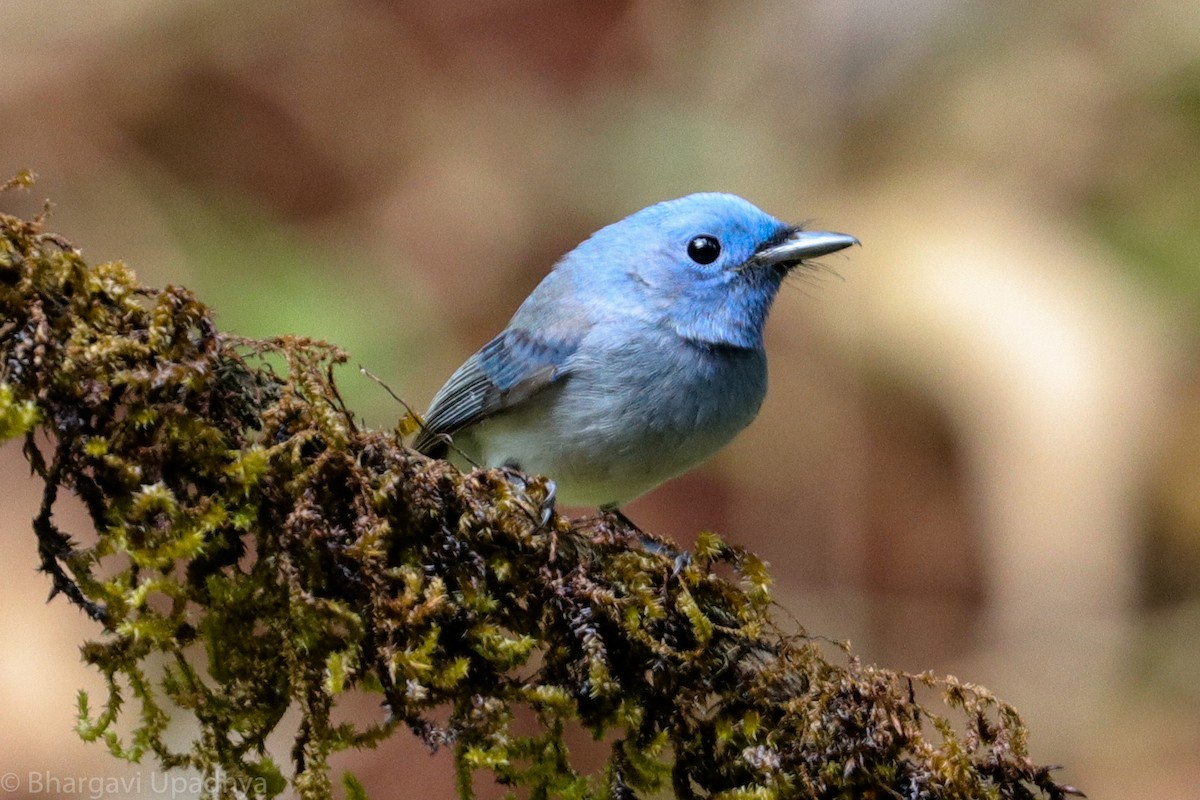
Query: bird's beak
802 246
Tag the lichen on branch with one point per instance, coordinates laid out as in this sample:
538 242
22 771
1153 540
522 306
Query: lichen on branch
255 551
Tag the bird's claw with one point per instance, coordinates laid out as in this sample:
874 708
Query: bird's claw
545 509
547 504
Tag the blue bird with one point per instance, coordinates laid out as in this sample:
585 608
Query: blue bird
635 359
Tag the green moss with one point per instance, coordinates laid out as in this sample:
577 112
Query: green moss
256 551
16 418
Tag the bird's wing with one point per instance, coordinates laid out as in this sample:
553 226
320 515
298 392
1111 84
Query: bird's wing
509 369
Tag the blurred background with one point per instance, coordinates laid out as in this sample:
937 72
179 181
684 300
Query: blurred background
980 451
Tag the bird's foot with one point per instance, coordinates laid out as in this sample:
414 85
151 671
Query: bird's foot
620 517
659 548
545 509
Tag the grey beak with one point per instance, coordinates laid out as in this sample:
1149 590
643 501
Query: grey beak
803 245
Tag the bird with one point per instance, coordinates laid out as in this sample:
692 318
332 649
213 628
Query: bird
636 358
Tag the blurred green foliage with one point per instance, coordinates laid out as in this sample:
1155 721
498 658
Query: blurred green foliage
269 279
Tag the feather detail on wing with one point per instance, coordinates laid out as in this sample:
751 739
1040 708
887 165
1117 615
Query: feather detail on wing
507 370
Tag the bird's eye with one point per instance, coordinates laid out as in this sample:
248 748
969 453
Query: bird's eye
704 249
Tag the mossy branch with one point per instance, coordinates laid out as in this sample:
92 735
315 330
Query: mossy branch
255 550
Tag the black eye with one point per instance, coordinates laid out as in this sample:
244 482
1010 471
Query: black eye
704 249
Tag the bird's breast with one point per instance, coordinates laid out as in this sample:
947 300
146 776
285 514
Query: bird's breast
662 409
628 415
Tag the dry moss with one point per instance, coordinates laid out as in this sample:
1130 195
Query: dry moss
256 551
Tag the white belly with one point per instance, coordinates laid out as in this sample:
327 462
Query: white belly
611 432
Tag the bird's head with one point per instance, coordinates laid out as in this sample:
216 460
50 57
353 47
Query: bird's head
708 265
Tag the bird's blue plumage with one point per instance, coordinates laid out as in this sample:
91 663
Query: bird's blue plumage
637 357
